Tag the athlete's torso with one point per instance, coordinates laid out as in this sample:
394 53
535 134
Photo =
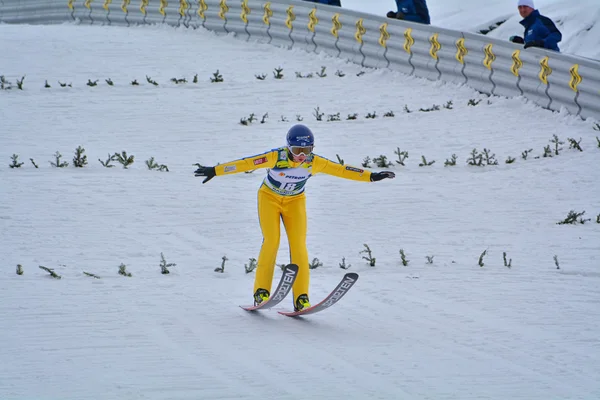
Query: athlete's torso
286 179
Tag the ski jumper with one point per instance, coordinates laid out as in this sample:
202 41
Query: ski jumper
281 197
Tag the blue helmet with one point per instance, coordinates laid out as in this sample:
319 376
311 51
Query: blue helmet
300 136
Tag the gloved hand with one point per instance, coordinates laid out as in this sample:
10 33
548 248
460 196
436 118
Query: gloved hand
208 172
534 43
377 176
517 39
391 14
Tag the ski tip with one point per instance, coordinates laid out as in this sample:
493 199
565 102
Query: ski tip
292 267
352 275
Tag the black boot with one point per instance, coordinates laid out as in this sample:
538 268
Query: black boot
260 295
301 302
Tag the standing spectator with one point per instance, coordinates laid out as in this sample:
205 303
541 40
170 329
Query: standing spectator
328 2
411 10
540 31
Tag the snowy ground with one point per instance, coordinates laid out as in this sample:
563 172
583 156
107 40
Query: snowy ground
577 20
446 330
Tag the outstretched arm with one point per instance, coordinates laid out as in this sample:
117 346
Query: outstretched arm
323 165
265 160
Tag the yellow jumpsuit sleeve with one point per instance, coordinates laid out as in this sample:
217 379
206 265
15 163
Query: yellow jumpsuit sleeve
325 166
265 160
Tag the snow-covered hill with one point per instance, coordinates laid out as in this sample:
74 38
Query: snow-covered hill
442 330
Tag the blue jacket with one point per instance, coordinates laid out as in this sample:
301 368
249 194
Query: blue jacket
538 27
414 10
329 2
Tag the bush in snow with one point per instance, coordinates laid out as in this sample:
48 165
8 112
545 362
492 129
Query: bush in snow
300 76
20 83
490 159
476 158
164 266
19 269
315 264
402 155
58 163
108 161
369 257
382 162
217 77
525 154
91 275
251 266
277 73
425 163
556 143
152 165
343 264
80 160
123 270
333 117
124 159
574 144
573 218
151 81
318 114
15 161
221 269
51 272
481 264
433 108
403 258
508 263
429 259
322 74
451 162
4 84
556 262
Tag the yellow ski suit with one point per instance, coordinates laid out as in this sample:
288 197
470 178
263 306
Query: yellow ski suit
281 195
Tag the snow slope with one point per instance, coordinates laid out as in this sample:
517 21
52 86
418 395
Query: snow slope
577 20
446 330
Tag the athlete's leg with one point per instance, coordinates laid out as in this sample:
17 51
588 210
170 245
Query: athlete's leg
294 220
269 214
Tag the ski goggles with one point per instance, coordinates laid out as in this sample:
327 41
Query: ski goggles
297 150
